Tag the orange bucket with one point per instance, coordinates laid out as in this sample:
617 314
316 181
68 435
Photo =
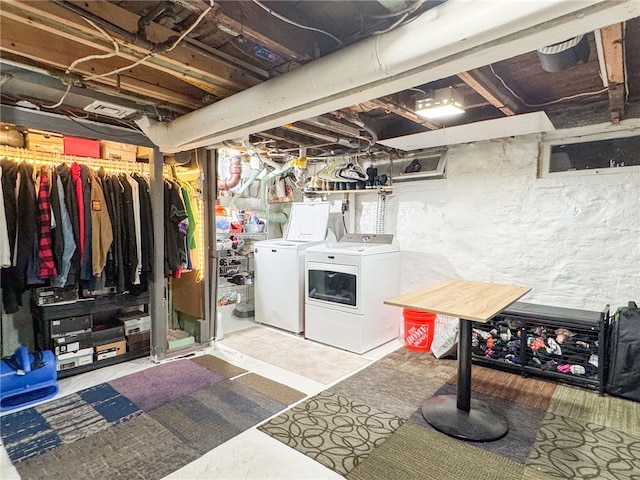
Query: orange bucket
419 328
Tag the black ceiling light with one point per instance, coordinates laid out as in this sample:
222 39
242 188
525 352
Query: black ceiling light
560 56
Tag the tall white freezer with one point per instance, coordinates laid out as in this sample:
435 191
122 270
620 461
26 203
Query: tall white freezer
279 267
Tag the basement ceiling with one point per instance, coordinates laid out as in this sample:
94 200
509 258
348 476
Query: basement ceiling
166 59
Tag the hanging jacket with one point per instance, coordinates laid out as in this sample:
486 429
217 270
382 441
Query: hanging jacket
146 230
135 197
9 177
86 265
115 198
77 186
56 230
101 231
5 251
47 266
174 213
71 202
65 227
12 286
130 248
26 243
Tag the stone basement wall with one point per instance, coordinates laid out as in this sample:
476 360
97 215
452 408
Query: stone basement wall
574 240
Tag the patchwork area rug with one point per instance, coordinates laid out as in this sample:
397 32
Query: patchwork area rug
555 431
333 430
145 425
311 360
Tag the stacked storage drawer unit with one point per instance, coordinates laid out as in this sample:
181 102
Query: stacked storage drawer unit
90 333
71 341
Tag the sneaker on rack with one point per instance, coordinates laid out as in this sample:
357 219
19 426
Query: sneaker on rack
353 173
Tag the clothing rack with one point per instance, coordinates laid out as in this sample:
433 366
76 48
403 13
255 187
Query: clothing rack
52 158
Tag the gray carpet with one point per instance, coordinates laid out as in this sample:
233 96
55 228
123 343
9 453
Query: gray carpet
213 415
218 365
570 448
275 390
413 453
99 433
387 390
524 423
140 448
312 360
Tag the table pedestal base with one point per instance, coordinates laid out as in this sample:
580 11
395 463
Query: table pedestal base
479 424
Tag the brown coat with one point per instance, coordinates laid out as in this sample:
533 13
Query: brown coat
101 231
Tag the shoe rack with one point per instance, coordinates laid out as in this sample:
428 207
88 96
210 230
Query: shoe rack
562 344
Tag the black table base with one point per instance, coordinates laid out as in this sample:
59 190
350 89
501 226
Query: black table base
479 424
461 416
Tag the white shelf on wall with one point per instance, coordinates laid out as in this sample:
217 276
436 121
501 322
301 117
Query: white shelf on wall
384 189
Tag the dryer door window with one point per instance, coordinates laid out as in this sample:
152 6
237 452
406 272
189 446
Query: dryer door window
332 284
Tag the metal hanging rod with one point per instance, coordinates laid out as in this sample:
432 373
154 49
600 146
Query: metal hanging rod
39 157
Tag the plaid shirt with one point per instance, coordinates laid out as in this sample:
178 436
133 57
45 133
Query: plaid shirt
45 251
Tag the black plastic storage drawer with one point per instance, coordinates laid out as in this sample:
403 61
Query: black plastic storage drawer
554 342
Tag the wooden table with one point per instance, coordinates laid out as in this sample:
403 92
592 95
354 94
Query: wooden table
461 416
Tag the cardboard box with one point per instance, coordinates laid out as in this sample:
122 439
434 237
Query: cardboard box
65 361
135 322
118 151
108 350
81 147
40 141
143 153
107 333
71 343
66 326
139 343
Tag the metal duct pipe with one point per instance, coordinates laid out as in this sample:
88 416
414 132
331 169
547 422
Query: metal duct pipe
453 37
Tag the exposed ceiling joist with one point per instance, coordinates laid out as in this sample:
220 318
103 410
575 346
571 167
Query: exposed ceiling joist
224 54
483 85
217 78
613 53
252 22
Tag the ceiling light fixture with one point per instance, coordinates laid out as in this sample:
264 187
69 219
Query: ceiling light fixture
444 102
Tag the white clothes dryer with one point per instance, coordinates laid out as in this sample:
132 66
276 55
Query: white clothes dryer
346 284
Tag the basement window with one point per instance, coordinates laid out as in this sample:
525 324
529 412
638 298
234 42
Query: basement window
600 153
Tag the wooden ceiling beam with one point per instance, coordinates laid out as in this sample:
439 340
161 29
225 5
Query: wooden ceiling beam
613 53
390 106
256 24
183 62
26 42
486 88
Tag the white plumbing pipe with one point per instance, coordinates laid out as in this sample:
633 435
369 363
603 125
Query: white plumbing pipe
264 186
246 185
455 36
235 170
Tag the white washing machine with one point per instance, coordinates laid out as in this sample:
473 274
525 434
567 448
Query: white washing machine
346 284
279 267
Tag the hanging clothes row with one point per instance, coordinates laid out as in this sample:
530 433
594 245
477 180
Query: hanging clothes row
76 227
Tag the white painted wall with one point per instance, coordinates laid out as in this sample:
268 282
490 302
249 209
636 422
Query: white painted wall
574 240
